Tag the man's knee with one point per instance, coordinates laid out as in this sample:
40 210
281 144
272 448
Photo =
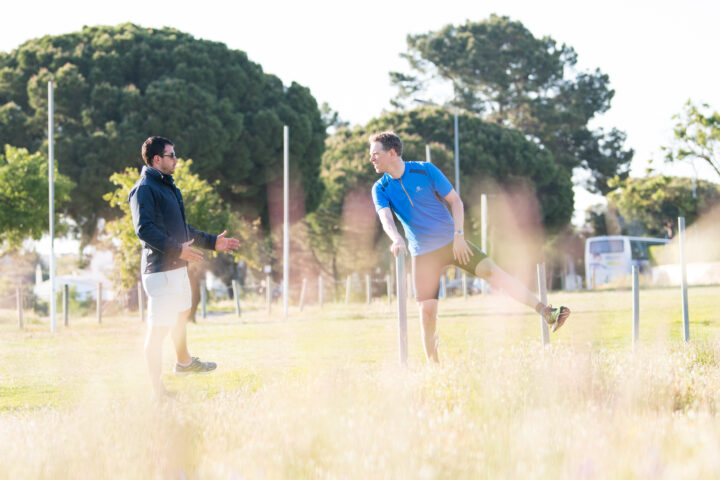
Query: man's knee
485 268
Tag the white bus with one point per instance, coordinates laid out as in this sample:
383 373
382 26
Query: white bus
608 258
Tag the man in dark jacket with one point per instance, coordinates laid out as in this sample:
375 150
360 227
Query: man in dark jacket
158 215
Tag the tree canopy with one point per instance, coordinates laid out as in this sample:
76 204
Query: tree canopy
24 205
657 201
697 135
116 86
498 69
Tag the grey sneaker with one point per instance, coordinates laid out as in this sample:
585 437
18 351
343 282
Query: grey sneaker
555 316
195 367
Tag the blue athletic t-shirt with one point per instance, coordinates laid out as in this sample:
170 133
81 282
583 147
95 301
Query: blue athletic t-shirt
413 197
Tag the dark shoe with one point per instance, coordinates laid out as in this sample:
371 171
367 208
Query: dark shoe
195 367
555 316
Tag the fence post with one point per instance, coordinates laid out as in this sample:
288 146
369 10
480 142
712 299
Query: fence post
320 290
368 291
402 306
302 294
203 299
66 314
99 302
268 292
141 302
19 295
347 289
464 285
636 307
443 289
683 279
388 280
236 296
542 291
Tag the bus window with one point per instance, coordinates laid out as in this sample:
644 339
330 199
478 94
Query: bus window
639 250
598 247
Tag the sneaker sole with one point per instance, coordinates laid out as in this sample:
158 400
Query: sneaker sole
564 314
185 374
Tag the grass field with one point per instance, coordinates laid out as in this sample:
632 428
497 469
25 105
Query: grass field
321 395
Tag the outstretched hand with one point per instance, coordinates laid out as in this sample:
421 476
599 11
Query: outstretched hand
223 244
189 254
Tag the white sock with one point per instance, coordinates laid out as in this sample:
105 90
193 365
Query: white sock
184 364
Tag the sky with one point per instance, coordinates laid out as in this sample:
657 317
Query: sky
658 54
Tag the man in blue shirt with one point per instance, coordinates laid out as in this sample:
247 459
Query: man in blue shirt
414 191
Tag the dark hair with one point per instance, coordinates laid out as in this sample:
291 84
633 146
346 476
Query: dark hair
389 141
153 146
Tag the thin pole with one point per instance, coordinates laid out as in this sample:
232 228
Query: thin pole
484 233
66 314
542 291
347 290
302 294
19 295
443 290
51 186
683 269
402 307
388 280
368 291
99 302
410 286
428 156
286 218
320 290
236 296
464 285
268 291
203 299
457 154
636 307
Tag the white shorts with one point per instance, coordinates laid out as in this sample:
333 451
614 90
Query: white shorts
168 294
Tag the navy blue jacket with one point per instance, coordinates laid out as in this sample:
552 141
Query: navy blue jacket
158 214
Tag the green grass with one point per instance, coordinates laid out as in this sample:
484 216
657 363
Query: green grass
321 395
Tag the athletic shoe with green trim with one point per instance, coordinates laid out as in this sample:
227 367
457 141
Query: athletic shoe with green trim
555 316
195 367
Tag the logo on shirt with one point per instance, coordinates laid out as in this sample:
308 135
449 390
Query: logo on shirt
417 189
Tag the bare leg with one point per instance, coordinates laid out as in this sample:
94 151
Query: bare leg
499 278
179 338
428 324
153 357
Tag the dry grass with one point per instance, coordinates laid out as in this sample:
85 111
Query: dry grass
321 396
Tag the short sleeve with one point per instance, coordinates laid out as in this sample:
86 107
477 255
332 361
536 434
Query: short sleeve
440 182
380 198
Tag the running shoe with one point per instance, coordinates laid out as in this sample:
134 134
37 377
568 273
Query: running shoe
195 367
555 316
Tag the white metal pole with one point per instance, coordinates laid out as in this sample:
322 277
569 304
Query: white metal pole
368 289
320 290
542 291
636 307
402 307
483 232
683 270
51 185
286 219
302 294
428 156
457 154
